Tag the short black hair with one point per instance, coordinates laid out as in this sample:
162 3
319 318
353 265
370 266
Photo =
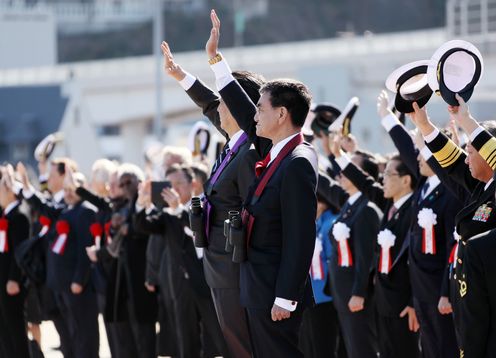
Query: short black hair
61 164
368 163
291 94
403 170
201 171
250 82
185 169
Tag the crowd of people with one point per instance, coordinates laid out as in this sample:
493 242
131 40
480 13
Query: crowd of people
278 250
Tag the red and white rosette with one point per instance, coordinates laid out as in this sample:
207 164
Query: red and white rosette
426 220
341 233
96 231
45 223
317 267
386 240
62 228
4 227
454 250
106 228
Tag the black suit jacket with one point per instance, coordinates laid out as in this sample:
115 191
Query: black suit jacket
393 290
18 231
363 218
429 273
73 266
478 305
283 236
183 267
227 194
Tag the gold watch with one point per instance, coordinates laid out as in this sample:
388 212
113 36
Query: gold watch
215 59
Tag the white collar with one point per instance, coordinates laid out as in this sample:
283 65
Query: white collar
59 196
402 200
433 183
10 207
234 139
352 199
276 149
488 183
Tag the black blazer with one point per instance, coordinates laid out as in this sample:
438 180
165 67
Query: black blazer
283 235
393 290
17 232
430 273
363 218
73 266
227 194
179 255
478 305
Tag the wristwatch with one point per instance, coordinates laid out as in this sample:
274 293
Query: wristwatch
215 59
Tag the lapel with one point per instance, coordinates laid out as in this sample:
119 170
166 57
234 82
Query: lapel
396 217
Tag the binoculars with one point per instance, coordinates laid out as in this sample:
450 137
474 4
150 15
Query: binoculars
235 237
196 222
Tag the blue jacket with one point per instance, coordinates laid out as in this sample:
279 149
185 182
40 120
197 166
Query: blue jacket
323 249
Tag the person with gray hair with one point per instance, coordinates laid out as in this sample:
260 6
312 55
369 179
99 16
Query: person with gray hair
101 171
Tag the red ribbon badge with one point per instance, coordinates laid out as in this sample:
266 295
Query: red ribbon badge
63 229
4 226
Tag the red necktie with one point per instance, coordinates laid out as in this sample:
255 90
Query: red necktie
261 165
391 212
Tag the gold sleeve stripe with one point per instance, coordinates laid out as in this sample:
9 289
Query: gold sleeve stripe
448 154
488 151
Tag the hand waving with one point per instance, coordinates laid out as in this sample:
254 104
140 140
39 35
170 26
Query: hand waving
212 45
171 67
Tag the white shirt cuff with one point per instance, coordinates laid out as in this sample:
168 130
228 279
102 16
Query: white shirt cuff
425 153
475 133
188 81
176 211
432 135
390 121
286 304
343 161
223 74
28 192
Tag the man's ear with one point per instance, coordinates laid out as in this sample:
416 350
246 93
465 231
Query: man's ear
283 114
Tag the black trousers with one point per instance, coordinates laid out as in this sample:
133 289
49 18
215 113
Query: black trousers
395 339
198 330
359 332
437 332
143 333
233 321
166 338
80 313
320 335
13 336
274 339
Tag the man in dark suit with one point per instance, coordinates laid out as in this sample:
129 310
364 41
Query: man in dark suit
431 241
50 205
185 278
352 237
396 319
68 271
225 190
14 228
279 213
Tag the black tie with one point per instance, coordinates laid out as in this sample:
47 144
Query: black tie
423 191
221 157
